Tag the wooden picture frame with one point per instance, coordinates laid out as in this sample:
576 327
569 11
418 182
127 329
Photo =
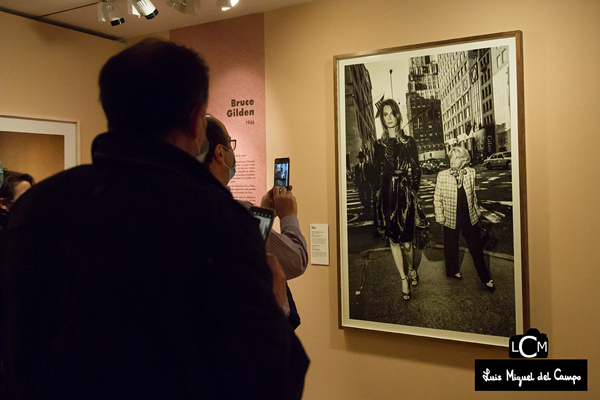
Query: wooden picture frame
465 92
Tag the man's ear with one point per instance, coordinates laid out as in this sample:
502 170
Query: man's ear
5 204
218 153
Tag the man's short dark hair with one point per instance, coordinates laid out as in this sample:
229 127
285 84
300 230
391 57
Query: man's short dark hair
152 87
12 179
214 136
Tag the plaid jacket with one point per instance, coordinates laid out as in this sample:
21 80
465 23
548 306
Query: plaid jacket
445 196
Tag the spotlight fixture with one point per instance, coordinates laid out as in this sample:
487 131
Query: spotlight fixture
108 11
225 5
185 6
142 7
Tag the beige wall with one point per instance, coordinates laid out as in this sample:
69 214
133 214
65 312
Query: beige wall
561 65
52 72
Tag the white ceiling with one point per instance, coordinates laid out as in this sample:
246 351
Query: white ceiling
85 18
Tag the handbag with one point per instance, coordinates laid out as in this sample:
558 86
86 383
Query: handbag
423 237
489 241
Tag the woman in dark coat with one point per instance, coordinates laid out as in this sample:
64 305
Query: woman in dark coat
397 158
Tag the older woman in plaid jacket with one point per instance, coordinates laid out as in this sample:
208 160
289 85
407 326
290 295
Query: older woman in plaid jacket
457 208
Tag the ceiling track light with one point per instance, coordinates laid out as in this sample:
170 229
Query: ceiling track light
225 5
142 7
177 5
108 11
185 6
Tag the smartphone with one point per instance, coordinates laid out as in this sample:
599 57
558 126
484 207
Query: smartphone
266 216
282 172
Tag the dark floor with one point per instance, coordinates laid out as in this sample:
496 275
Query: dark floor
437 302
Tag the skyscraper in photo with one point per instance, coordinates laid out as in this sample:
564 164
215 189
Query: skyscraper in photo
460 98
423 107
360 117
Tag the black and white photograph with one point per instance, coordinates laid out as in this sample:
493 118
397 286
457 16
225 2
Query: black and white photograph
281 175
432 190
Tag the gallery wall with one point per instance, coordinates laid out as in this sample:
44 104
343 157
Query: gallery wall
561 86
52 72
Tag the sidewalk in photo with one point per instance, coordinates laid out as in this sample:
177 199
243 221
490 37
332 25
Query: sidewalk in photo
437 302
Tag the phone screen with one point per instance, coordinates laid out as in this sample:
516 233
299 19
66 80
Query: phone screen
282 172
266 217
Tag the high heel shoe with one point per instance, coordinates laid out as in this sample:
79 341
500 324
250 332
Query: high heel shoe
490 285
405 295
414 279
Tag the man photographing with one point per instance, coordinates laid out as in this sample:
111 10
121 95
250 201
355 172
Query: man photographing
139 276
290 245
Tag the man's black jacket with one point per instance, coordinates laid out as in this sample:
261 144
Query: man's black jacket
139 276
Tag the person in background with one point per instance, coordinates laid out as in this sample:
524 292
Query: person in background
13 186
139 276
362 174
396 156
290 245
457 209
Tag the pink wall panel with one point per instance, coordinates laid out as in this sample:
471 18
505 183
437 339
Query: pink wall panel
234 50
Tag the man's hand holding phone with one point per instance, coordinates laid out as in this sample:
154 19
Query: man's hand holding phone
281 200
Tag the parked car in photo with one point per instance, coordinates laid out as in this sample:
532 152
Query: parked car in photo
441 164
429 167
498 160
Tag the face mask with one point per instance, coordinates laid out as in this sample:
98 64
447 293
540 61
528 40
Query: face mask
202 156
232 169
202 152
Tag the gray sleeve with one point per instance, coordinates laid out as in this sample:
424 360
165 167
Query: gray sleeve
290 247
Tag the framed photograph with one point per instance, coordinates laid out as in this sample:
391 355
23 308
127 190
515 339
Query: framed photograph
431 189
40 147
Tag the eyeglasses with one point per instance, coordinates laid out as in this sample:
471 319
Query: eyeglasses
232 143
